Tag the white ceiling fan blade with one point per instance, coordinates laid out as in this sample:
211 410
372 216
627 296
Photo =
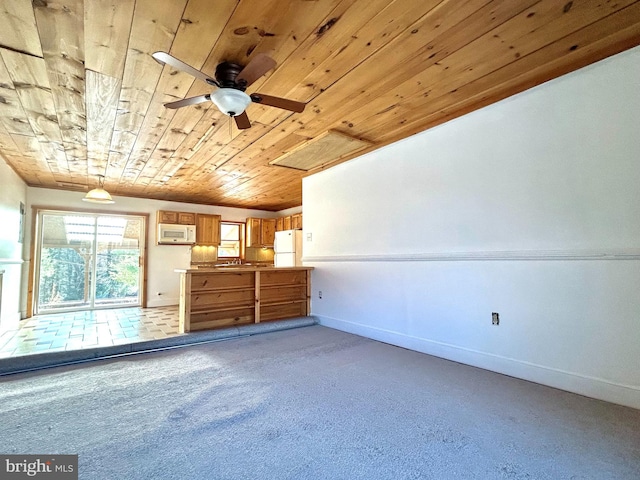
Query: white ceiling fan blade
167 59
188 101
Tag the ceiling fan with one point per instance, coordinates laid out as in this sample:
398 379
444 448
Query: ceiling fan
231 81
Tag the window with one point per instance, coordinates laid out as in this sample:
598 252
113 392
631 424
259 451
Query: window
88 260
230 239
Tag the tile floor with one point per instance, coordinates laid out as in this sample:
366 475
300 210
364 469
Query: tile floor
88 329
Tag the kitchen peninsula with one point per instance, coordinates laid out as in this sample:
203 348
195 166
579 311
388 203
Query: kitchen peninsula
239 295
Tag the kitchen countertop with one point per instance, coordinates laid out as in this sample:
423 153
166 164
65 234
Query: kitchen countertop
237 268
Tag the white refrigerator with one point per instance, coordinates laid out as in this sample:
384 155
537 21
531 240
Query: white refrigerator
288 248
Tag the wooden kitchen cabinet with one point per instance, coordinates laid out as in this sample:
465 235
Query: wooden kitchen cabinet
253 232
268 232
181 218
229 296
207 229
167 217
261 232
296 221
185 218
291 222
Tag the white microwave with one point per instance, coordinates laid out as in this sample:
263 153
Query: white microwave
177 234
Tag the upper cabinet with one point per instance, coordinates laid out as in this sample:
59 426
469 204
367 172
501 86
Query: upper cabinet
292 222
185 218
296 221
268 232
182 218
261 232
207 229
207 226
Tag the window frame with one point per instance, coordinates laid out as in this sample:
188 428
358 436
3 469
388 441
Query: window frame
241 246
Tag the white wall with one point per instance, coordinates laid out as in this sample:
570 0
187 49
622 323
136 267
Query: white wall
162 259
529 208
12 191
290 211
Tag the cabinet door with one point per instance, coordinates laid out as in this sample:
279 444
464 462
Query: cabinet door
279 224
185 218
268 232
253 232
165 216
207 229
286 223
296 222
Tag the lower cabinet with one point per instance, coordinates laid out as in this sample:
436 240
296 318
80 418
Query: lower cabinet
215 299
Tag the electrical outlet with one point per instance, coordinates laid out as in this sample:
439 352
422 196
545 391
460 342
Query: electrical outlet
495 318
320 294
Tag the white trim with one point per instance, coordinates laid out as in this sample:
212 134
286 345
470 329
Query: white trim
620 254
11 261
602 389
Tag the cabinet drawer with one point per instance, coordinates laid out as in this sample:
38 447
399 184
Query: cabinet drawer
279 312
281 294
287 277
221 280
222 299
207 320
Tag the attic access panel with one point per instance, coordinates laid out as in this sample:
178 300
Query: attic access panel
322 150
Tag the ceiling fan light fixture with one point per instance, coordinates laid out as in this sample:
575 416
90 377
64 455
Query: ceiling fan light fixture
231 101
98 195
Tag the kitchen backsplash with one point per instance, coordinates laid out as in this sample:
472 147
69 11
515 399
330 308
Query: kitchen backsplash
204 254
259 254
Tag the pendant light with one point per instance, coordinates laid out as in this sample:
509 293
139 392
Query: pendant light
98 195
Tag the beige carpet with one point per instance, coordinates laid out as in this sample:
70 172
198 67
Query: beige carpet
311 403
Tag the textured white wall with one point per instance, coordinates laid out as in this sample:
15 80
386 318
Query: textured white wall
529 207
12 191
162 259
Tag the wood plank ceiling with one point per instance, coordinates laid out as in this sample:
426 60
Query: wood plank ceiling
81 96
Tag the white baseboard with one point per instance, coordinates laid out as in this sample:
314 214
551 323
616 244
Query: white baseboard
163 301
627 395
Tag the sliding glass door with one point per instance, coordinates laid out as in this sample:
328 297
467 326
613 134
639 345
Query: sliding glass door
88 261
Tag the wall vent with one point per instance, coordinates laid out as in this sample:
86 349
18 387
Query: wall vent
325 149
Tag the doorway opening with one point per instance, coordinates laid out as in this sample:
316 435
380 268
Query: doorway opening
87 261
